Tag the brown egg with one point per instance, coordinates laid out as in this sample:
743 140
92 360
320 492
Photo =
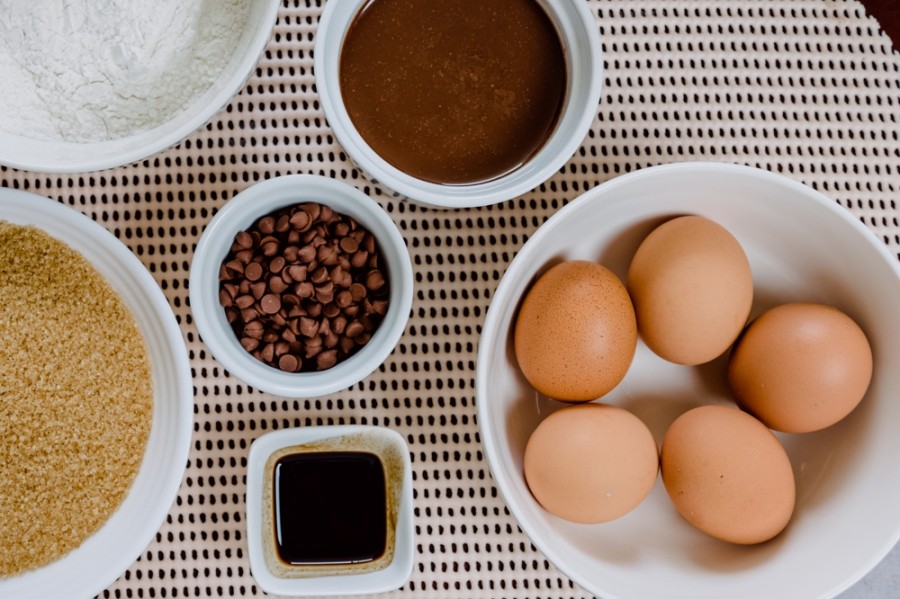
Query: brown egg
727 474
591 463
801 367
692 289
575 334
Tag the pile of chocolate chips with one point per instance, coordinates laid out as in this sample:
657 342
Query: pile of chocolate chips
303 288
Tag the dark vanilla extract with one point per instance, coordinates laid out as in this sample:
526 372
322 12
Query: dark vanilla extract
330 508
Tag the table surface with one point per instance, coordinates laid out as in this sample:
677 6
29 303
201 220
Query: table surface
806 88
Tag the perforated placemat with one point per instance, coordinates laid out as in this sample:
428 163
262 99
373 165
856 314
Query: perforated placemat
807 88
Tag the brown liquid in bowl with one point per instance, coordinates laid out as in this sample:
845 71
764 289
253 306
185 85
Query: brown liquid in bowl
453 92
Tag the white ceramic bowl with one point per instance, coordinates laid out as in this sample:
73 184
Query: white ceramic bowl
581 43
237 215
391 449
90 568
801 246
69 157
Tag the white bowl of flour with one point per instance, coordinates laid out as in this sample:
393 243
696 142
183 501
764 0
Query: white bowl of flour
95 84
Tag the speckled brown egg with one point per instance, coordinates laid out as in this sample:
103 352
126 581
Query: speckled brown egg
727 474
692 288
575 334
801 367
591 463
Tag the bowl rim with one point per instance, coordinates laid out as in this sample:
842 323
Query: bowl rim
146 144
582 97
390 578
238 213
106 252
502 295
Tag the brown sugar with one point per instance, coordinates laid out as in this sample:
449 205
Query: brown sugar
76 399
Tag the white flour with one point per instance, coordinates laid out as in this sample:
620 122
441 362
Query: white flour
92 70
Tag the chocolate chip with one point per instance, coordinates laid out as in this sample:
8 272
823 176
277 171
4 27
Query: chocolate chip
297 272
326 359
301 220
374 280
253 271
244 301
349 245
290 253
343 299
306 254
331 339
309 326
359 258
243 240
319 276
266 225
276 264
253 329
258 289
302 287
380 307
341 229
244 256
358 291
269 248
267 354
270 303
225 299
305 289
327 254
236 266
354 328
289 363
339 324
313 210
331 310
277 285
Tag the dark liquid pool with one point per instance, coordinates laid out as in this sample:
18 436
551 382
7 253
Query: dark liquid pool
330 508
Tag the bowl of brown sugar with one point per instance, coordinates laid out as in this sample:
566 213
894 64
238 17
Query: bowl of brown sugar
301 286
96 402
459 104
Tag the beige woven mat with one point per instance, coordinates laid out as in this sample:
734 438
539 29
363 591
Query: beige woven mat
807 88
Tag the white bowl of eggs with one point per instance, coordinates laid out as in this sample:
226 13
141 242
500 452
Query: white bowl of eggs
685 388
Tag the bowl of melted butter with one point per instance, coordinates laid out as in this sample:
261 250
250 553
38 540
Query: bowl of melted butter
459 104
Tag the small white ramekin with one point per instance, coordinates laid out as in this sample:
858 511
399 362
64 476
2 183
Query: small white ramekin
580 36
393 452
237 215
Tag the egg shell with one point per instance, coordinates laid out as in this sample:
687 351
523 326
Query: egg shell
692 288
591 463
727 474
801 367
575 334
